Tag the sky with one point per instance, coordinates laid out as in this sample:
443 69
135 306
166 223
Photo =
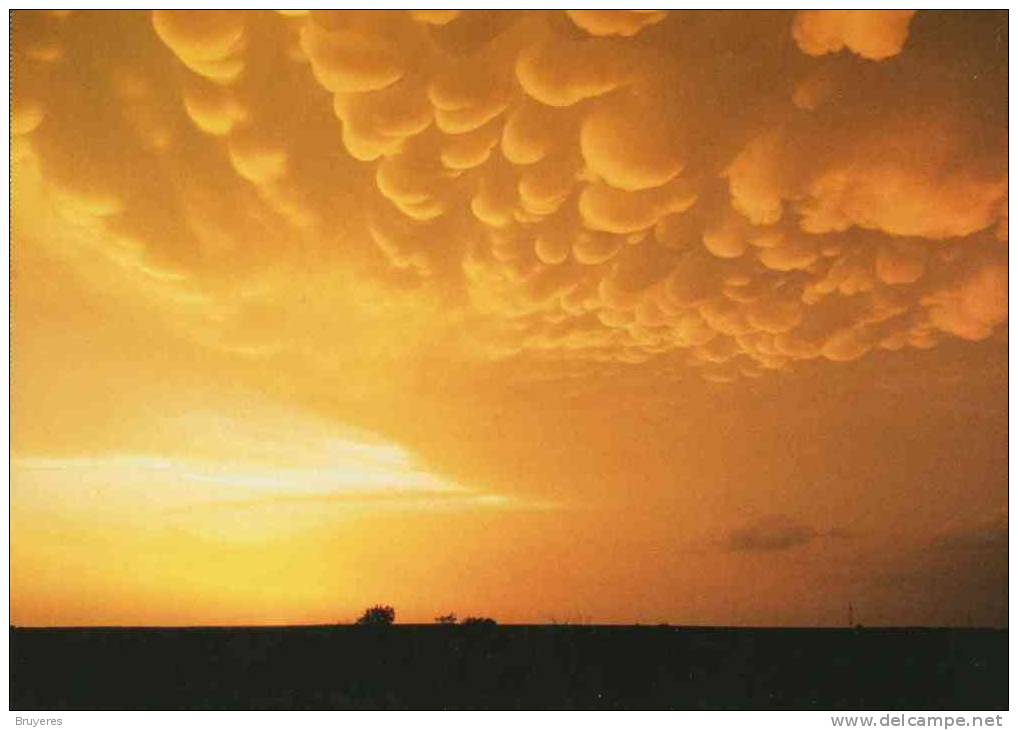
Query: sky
574 316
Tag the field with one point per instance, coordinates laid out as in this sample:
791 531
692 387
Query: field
508 667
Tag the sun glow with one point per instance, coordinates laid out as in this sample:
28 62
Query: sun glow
243 467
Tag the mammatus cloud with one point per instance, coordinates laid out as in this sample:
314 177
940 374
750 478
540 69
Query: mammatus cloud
583 186
872 34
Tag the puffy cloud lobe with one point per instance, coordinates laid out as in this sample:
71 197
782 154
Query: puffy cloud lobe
26 117
615 22
435 17
466 97
775 315
604 208
630 144
563 73
872 34
470 149
213 109
728 240
345 61
377 124
210 43
533 132
974 306
754 181
901 263
596 185
255 160
908 176
787 253
901 202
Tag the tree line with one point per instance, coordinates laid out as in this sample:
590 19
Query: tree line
382 615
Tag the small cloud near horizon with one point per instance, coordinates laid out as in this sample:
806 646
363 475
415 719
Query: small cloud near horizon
988 535
775 532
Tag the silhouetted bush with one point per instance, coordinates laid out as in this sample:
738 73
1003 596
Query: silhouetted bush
478 621
378 616
449 618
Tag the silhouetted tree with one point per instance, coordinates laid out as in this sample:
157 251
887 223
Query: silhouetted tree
378 616
449 618
478 621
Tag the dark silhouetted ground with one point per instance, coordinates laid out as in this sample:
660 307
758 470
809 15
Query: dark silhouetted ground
507 667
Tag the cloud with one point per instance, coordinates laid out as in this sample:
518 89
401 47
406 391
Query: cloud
345 61
775 533
975 305
615 22
210 44
631 144
872 34
770 533
587 186
989 535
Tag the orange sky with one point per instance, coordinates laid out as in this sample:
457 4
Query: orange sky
590 316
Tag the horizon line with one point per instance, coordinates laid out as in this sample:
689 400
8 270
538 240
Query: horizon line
435 624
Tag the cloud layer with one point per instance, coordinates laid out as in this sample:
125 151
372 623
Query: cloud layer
737 192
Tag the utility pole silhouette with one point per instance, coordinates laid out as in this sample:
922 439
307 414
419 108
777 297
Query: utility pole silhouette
851 615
